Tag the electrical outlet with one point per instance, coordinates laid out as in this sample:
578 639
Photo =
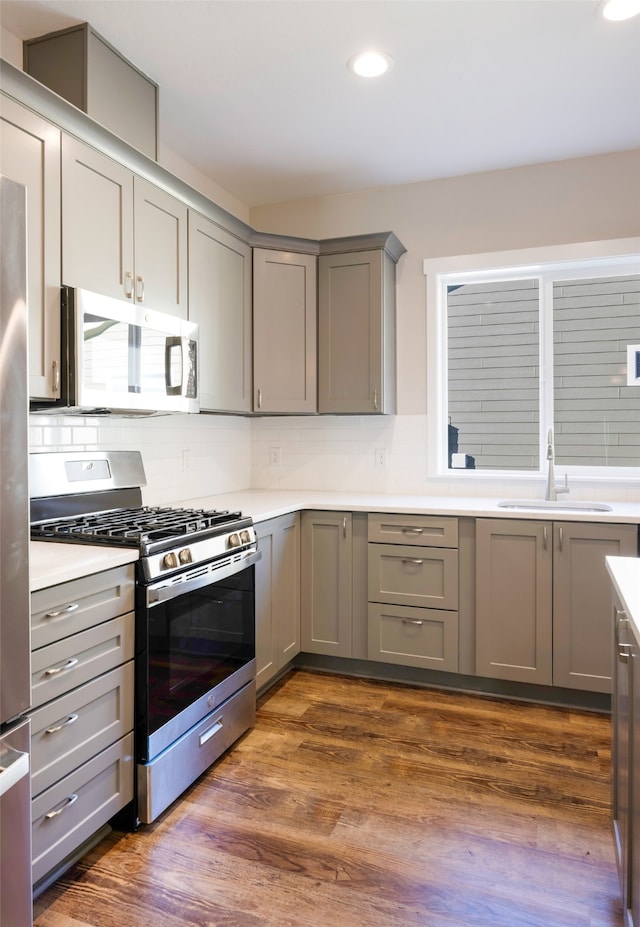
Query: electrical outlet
274 456
381 458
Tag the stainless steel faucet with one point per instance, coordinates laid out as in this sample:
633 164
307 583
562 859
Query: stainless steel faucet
553 489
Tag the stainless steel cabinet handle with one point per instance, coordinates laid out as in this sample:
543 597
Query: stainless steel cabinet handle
55 376
63 611
545 537
54 730
344 527
375 399
415 621
561 538
128 285
213 730
412 530
70 800
409 560
140 289
59 669
624 652
259 398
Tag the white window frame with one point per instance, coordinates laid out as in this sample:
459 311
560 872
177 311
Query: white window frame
584 259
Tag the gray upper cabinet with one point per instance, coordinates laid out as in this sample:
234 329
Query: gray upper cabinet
83 68
284 331
220 302
356 331
121 235
30 155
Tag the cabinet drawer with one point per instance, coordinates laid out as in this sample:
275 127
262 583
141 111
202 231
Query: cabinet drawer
62 610
71 811
60 667
425 637
417 530
175 768
413 576
71 729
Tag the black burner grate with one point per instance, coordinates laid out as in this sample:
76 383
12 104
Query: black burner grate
132 527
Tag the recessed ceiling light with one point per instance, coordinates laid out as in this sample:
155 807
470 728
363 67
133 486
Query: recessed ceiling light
617 10
370 63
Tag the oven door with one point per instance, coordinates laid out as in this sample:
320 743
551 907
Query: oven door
195 647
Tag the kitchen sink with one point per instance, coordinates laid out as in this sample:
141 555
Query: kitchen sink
542 505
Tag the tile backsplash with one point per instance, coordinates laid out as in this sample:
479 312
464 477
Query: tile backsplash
193 456
184 456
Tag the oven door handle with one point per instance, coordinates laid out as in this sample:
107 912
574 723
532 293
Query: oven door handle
161 592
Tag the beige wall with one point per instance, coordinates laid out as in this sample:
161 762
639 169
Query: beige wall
586 199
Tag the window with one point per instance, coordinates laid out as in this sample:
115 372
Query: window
517 348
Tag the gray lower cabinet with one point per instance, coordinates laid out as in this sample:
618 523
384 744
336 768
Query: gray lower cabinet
277 596
413 591
82 761
121 235
542 594
625 706
326 579
356 332
284 331
333 570
30 155
220 298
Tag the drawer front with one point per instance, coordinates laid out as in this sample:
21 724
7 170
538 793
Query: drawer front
426 637
417 530
60 667
62 610
71 811
162 780
75 727
418 576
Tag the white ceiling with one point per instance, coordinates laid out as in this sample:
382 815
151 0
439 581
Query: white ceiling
257 95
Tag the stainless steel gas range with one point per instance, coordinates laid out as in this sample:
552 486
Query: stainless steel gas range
195 610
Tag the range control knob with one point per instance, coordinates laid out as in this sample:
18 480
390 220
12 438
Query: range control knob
245 537
234 540
185 556
169 561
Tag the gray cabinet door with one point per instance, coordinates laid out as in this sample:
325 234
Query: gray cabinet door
220 302
582 601
97 221
356 333
30 155
284 332
514 633
326 594
277 596
160 248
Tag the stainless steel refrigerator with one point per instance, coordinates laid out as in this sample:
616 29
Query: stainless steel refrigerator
15 649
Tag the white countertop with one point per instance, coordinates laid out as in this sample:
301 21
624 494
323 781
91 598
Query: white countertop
53 563
625 574
262 504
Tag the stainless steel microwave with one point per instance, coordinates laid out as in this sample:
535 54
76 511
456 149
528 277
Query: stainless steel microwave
121 358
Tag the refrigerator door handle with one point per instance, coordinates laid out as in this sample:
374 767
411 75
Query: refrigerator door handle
13 767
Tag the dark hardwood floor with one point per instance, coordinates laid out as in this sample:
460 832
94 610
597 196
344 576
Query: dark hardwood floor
365 804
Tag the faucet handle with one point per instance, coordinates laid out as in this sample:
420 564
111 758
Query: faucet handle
564 488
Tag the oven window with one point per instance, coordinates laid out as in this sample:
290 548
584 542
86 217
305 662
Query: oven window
197 640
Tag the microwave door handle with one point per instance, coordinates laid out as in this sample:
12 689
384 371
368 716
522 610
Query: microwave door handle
171 343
